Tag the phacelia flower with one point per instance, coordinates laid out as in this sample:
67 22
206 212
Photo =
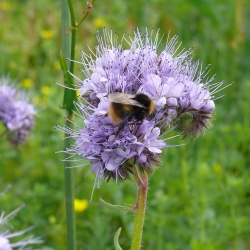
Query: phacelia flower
16 113
6 241
182 94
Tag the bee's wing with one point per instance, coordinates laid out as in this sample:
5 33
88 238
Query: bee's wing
124 99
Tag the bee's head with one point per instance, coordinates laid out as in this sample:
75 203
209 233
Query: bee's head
143 99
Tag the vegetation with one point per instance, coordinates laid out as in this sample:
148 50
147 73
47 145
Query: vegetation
200 197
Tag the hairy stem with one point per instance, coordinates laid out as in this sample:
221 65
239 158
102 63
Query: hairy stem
140 208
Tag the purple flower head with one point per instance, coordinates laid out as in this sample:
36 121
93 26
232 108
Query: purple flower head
182 95
16 113
113 156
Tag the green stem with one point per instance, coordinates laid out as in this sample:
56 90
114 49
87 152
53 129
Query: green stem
68 172
68 51
73 35
69 199
75 26
140 208
88 8
66 37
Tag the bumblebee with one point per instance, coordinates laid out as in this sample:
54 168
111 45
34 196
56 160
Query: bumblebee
125 107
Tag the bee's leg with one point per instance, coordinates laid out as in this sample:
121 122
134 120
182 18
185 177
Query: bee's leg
121 126
133 123
139 122
152 115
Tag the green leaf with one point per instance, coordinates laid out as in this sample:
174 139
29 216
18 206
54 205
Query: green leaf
117 234
69 92
117 207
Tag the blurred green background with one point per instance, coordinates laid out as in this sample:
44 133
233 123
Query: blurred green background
199 199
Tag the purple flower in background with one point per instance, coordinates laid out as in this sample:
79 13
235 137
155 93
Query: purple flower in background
16 113
6 236
182 94
6 241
